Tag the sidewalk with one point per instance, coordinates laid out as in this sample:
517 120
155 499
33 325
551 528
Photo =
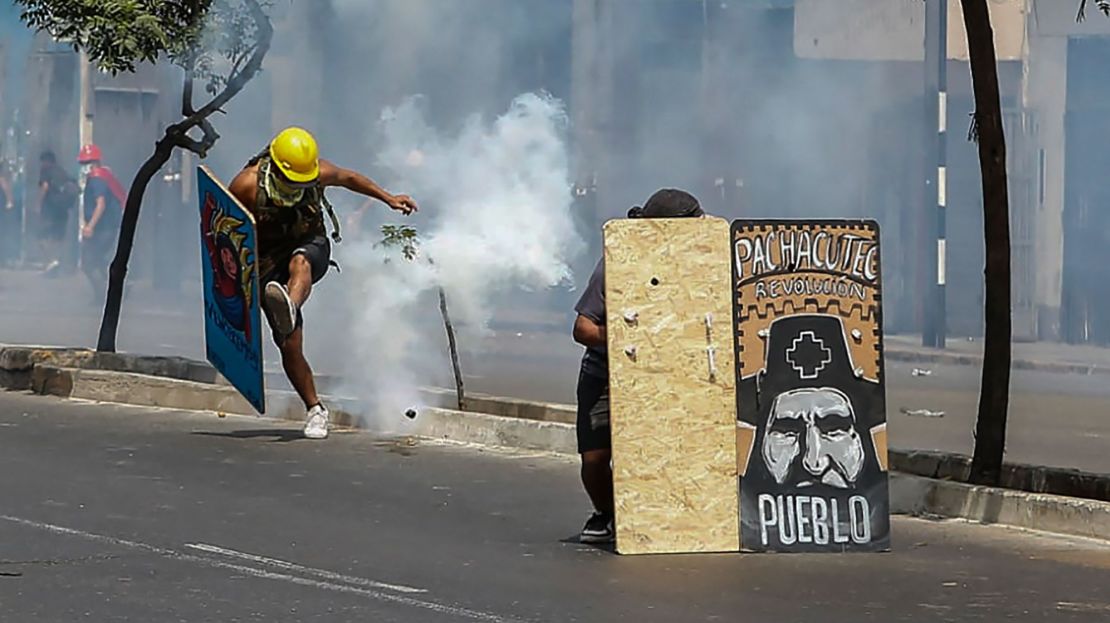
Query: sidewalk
1044 356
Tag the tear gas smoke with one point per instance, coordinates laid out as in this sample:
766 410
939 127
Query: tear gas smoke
495 217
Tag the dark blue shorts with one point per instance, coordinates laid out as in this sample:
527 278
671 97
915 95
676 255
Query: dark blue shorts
593 414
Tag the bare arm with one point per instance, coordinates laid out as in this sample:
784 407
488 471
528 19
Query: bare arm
245 187
44 187
332 175
90 226
97 212
589 333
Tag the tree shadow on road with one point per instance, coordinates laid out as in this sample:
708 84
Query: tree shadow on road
280 435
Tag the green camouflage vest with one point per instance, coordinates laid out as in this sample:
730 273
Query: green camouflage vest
281 229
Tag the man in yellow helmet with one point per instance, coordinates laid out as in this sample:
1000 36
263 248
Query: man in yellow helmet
283 187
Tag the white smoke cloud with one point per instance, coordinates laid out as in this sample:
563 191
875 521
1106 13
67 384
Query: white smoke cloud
495 217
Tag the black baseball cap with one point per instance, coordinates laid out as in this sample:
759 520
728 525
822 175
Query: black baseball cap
668 203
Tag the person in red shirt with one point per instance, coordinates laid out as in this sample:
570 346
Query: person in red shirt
103 207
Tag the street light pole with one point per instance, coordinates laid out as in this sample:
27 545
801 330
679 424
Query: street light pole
936 172
84 137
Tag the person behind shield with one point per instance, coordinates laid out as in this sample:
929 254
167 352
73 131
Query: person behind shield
594 437
283 187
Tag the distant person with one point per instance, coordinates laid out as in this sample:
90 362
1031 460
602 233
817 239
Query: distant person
283 187
7 197
594 437
103 206
9 218
58 192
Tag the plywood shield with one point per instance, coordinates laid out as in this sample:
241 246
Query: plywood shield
811 400
672 385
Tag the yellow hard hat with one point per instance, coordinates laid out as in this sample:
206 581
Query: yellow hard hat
296 155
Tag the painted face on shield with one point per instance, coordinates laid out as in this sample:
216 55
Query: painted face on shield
816 429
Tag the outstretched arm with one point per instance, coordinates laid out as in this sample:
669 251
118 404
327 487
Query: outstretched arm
332 175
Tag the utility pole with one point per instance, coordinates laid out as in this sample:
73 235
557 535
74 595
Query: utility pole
85 137
589 117
936 178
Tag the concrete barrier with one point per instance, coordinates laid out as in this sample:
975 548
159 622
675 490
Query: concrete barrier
916 495
494 430
1015 476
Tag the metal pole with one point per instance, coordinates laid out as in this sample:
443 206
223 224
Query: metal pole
936 180
84 135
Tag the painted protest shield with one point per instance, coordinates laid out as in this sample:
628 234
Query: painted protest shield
672 385
811 400
229 266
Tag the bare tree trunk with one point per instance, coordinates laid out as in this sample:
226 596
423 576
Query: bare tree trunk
453 346
106 342
177 135
990 427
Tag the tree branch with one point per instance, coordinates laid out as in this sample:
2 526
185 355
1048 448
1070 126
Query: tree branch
187 92
186 142
237 81
1103 5
178 133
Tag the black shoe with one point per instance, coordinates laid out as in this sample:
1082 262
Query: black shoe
598 529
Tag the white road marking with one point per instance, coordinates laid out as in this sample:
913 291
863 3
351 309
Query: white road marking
292 566
376 595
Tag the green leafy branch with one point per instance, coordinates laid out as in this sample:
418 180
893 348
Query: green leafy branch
407 241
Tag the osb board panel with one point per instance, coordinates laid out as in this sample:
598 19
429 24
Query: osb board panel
668 297
811 401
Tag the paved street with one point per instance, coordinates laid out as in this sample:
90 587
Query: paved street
1056 419
124 514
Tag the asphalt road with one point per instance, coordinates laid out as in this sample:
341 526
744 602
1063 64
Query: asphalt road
1055 419
124 514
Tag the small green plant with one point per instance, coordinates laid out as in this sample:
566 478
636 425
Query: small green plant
405 239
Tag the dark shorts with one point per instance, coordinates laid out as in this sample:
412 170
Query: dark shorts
593 413
317 251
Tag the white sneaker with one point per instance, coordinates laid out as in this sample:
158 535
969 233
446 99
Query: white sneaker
316 426
281 308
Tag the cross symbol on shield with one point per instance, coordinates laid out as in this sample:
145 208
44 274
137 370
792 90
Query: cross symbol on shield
808 355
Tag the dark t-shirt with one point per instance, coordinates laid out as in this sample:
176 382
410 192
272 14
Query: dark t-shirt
95 188
592 305
61 191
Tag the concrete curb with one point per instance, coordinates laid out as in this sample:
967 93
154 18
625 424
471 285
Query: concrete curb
1015 476
161 392
494 430
916 495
